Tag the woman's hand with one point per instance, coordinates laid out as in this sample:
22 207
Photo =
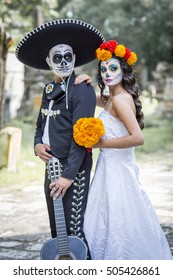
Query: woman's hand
81 78
100 144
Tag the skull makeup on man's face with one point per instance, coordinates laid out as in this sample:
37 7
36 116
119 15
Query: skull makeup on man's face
61 60
111 72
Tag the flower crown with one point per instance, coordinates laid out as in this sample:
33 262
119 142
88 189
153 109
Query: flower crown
107 49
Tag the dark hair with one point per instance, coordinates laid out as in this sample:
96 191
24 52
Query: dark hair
129 83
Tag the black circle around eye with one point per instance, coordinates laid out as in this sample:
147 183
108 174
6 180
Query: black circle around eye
57 58
68 57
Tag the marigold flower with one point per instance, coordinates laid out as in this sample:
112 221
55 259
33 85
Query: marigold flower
120 51
103 54
104 46
112 45
88 131
127 54
132 59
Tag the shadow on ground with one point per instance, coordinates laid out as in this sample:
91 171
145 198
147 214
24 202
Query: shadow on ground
27 247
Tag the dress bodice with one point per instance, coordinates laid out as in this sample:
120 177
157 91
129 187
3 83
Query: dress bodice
114 128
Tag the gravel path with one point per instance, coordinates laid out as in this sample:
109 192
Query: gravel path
23 216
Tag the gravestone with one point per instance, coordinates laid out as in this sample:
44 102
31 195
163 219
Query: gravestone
10 145
163 76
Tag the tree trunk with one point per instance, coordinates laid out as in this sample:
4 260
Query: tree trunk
1 75
5 43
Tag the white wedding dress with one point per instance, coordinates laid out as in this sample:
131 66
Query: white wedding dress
120 222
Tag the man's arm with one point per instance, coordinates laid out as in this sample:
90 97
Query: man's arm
40 149
84 102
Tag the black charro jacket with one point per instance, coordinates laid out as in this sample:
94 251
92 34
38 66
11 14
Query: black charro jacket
81 103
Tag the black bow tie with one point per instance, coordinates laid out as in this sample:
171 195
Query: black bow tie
54 91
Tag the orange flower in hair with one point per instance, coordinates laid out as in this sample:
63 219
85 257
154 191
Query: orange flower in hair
103 54
132 59
120 51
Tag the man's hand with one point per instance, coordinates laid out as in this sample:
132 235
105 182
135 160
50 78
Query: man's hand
60 186
42 152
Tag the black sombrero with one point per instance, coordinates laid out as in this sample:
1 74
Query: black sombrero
81 36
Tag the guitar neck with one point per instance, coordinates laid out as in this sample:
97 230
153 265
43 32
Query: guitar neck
62 238
54 170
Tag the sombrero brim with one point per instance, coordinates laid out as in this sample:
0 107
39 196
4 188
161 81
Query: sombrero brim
81 36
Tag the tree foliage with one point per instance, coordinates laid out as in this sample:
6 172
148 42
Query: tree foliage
145 26
20 16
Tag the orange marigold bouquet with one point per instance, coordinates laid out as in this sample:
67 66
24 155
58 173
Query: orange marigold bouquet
88 131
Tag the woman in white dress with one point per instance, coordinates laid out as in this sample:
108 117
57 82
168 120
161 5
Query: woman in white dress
120 222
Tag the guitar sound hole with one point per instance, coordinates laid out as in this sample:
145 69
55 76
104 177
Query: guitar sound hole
65 257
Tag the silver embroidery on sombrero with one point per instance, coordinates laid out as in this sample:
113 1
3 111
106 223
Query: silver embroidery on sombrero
55 22
75 220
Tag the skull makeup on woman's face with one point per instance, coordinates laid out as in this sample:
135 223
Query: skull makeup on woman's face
61 60
111 72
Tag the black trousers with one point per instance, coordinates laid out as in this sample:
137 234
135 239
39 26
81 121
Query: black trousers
74 201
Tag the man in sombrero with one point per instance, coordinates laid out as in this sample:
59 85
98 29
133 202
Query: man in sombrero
60 46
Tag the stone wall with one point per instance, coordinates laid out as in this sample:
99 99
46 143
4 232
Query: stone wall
163 77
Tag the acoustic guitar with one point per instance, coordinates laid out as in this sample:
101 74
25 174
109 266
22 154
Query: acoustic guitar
62 247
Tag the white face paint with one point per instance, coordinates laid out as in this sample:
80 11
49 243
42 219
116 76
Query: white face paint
111 72
61 60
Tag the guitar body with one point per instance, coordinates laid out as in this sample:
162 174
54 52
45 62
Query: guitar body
77 250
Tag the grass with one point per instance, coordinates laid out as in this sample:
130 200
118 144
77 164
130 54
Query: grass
158 132
30 168
158 136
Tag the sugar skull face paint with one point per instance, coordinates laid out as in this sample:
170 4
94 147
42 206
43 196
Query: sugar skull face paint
111 72
61 60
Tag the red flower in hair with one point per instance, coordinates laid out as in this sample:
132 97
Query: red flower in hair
109 45
127 54
112 45
104 46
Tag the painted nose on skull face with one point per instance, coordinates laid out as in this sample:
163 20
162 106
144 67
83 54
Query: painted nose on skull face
61 60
